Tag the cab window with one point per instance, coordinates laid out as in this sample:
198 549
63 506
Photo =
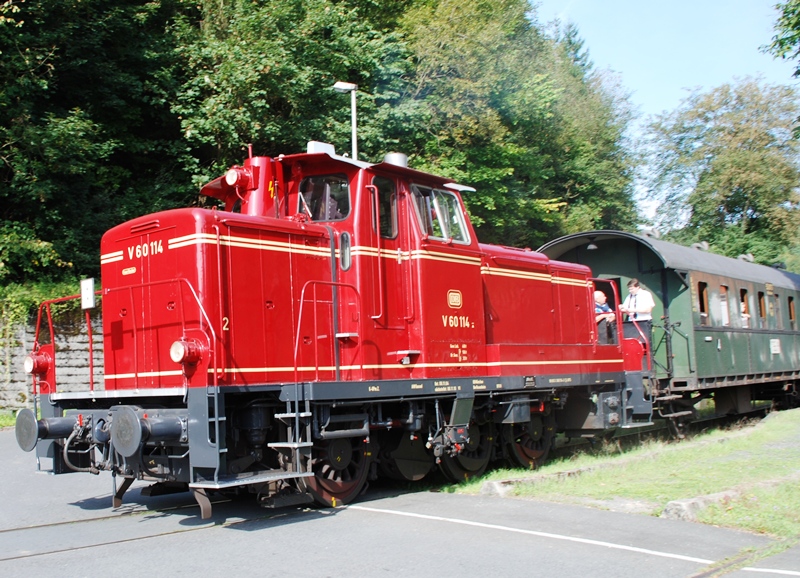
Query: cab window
439 214
324 197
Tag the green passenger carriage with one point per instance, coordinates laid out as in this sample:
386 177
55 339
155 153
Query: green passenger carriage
723 328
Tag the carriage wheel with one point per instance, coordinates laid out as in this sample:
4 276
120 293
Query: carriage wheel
527 444
340 468
474 458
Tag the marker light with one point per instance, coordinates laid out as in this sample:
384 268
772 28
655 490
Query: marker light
37 363
237 177
186 351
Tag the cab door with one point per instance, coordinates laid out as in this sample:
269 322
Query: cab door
391 311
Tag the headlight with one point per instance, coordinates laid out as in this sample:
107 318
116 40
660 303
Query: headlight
186 351
37 363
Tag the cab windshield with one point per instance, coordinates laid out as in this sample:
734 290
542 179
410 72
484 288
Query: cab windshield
324 197
439 214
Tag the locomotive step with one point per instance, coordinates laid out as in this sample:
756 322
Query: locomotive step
668 397
248 478
677 414
290 445
285 416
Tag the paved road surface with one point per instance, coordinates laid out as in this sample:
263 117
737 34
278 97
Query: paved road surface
64 526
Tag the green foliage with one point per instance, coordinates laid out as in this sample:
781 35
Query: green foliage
521 117
86 134
725 169
756 464
18 302
22 255
786 42
275 89
110 109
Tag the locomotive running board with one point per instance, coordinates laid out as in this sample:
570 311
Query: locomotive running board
200 489
248 479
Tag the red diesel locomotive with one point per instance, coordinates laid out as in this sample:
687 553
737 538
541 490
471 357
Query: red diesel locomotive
335 321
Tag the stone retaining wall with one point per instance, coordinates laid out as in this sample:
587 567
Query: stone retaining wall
72 360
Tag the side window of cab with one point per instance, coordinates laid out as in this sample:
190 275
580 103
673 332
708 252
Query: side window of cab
439 214
324 197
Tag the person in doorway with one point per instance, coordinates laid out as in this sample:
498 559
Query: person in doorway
604 317
601 308
639 305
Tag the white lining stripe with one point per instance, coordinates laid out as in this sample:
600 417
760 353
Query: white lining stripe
414 365
534 533
552 536
144 374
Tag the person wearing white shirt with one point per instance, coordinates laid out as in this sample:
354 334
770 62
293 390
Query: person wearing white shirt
638 305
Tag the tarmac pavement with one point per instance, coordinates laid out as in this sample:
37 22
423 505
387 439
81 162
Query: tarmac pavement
65 525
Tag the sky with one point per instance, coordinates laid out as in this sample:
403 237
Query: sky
661 48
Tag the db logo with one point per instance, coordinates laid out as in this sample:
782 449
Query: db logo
454 299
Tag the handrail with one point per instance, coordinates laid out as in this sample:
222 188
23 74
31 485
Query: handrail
407 271
45 306
674 327
315 282
646 341
213 341
377 230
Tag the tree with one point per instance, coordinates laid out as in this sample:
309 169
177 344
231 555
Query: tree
786 42
725 168
115 108
263 73
86 133
519 115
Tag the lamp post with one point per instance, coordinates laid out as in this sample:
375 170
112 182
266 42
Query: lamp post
345 87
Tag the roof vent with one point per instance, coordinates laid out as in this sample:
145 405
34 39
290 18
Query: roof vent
654 233
746 257
398 159
701 246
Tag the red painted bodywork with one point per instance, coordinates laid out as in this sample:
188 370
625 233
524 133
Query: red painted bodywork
252 285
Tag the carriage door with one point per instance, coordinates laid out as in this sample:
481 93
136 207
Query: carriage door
390 311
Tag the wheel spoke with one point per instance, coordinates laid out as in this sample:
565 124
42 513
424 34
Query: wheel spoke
527 444
340 468
473 459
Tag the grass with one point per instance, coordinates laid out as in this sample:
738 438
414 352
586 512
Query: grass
7 418
760 463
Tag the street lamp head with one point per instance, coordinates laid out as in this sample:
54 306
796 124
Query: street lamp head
345 87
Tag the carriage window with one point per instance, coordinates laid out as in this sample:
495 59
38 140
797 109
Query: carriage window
723 305
762 311
324 198
792 315
387 204
702 295
745 308
439 214
777 312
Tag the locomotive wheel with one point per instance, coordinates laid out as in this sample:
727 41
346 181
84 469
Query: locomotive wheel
403 457
527 444
340 469
474 458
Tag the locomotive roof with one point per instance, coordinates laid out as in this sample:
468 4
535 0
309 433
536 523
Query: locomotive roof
323 150
680 258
